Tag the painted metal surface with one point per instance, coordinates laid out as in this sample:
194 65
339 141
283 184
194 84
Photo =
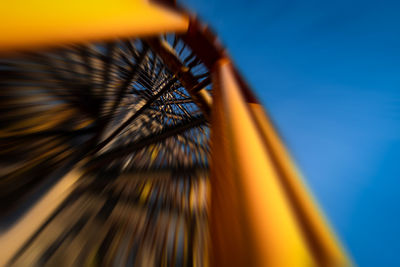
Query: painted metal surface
28 24
261 215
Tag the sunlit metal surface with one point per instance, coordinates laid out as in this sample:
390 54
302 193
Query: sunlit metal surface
27 24
148 150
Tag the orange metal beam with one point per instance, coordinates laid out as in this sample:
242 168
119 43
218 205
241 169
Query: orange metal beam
261 213
321 239
252 223
30 24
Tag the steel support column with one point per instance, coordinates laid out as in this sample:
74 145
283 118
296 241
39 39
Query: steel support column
255 218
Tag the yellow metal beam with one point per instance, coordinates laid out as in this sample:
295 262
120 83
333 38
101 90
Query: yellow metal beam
27 24
252 223
326 249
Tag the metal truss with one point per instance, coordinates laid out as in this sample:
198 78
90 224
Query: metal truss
140 144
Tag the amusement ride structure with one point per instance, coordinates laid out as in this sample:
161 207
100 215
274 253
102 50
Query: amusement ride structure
128 137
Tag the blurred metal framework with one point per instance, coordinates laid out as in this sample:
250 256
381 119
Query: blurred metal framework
133 138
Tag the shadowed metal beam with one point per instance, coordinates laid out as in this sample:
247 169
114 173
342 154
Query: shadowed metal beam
187 79
122 89
202 84
134 73
167 132
134 116
48 133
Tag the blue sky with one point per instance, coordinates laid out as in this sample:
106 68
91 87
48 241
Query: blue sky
329 74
